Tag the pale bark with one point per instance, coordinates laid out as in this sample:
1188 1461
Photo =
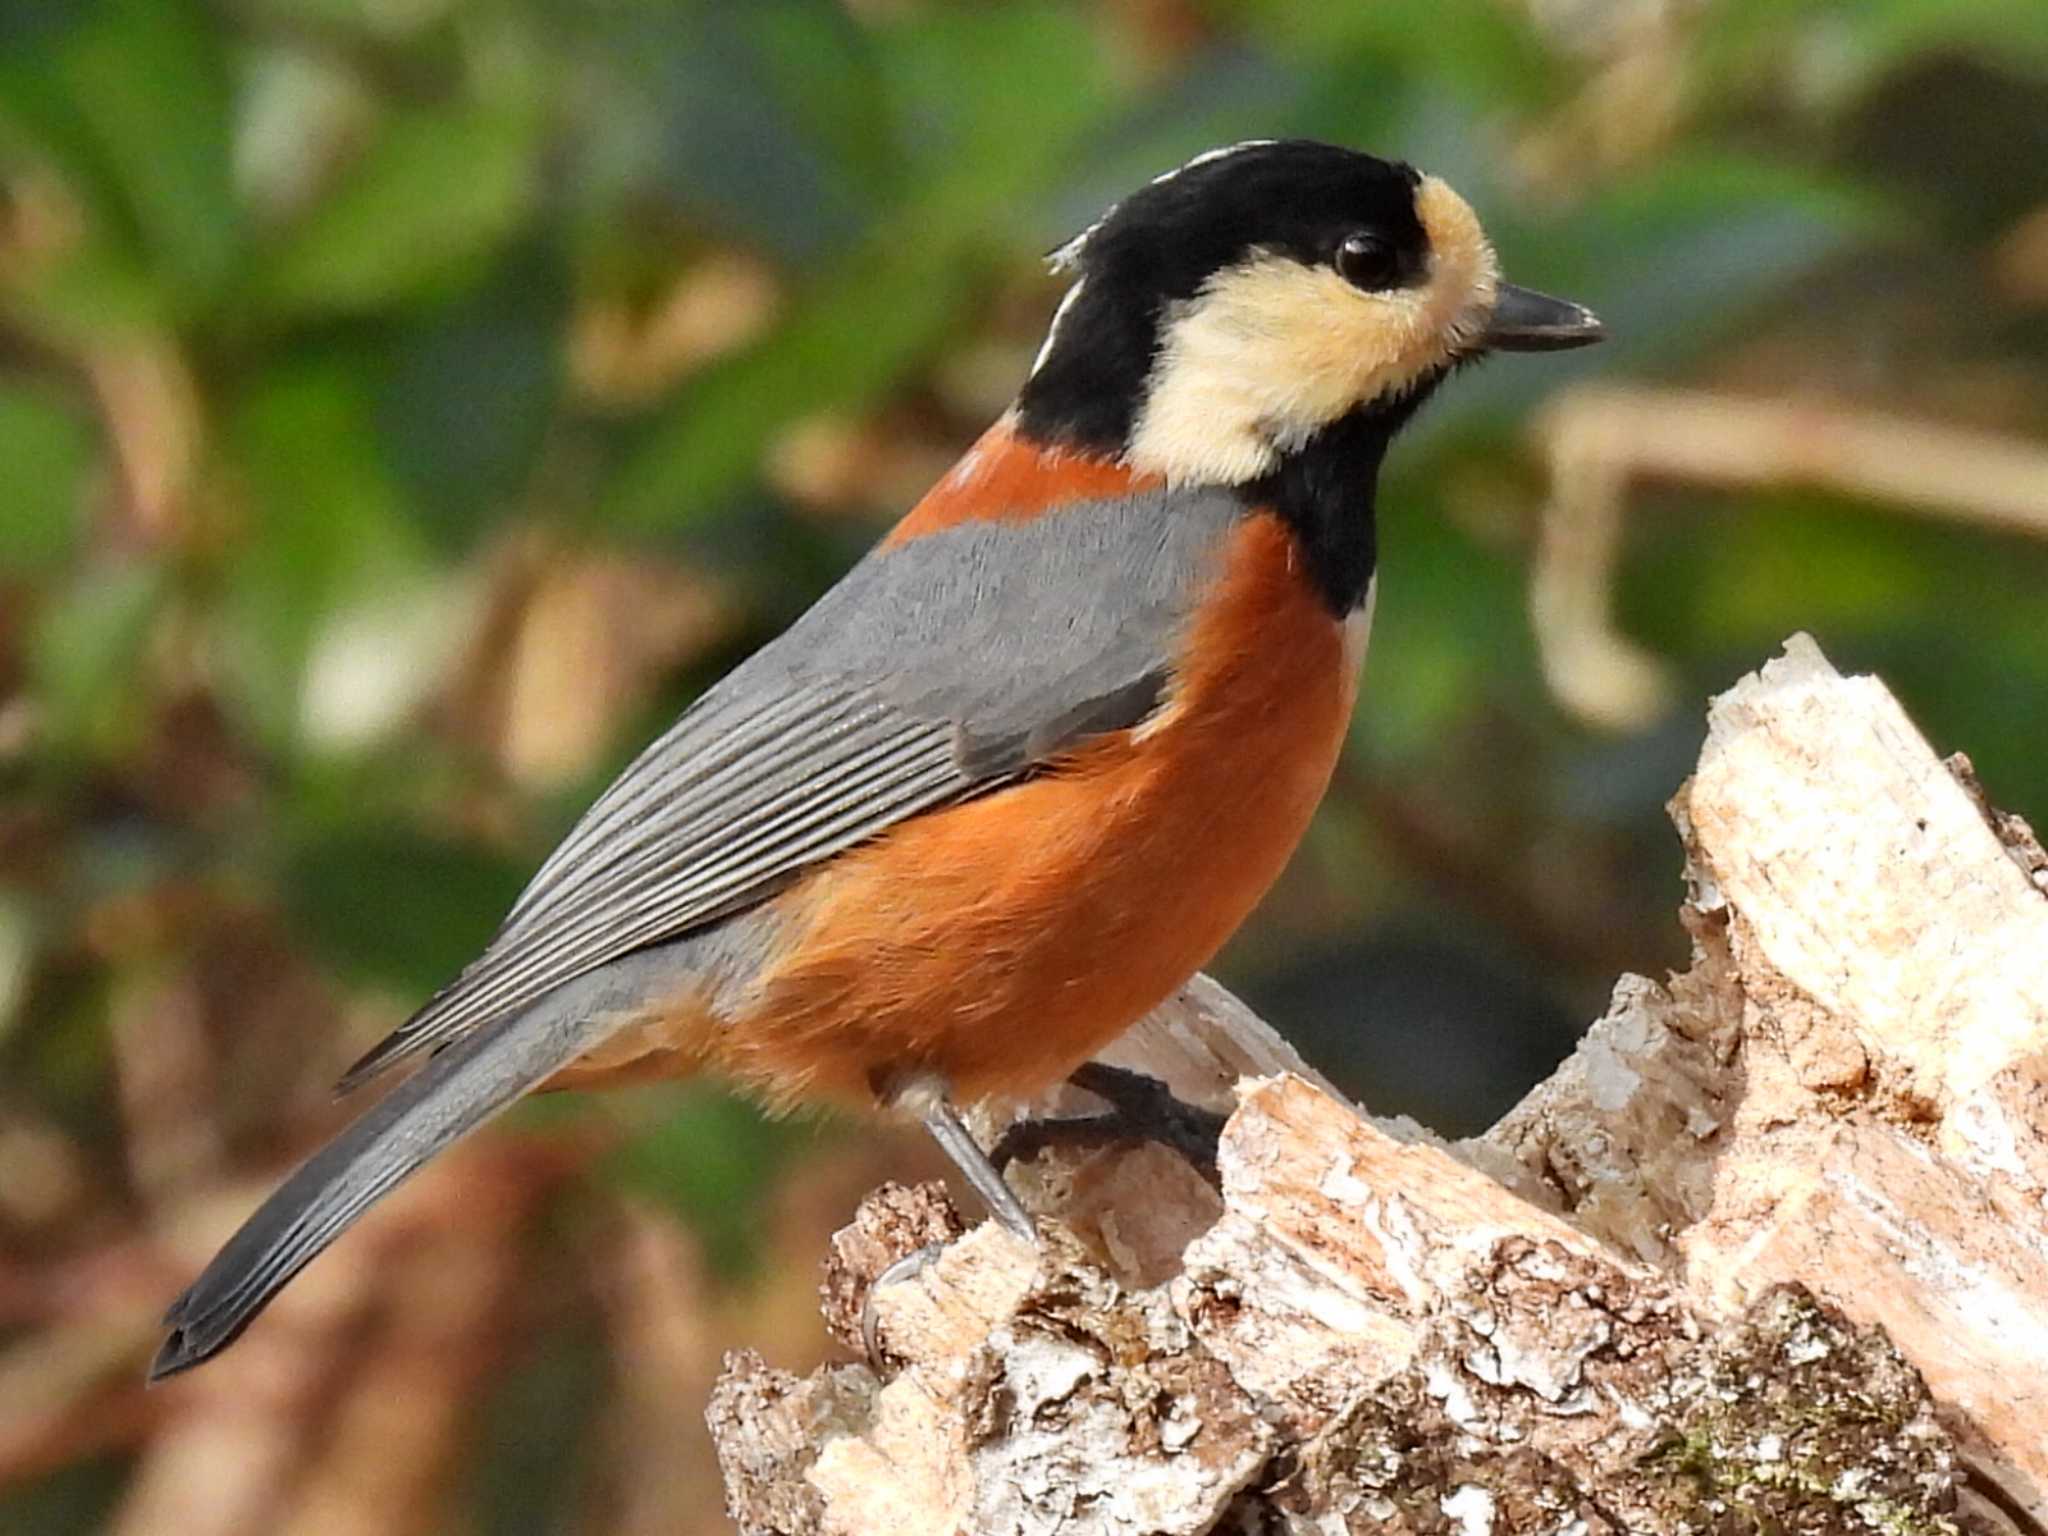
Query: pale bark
1768 1253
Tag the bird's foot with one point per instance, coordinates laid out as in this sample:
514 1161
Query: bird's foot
1141 1108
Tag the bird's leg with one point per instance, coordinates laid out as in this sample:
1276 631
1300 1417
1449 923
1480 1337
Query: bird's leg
1141 1108
943 1121
928 1096
950 1132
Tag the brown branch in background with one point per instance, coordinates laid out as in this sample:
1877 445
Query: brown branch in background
163 1070
1598 440
71 1389
665 1348
2019 262
148 399
345 1413
151 409
43 1176
567 645
621 355
397 1427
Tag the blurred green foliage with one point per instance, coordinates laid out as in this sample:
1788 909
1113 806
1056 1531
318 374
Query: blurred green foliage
304 389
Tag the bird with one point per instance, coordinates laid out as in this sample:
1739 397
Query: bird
1017 777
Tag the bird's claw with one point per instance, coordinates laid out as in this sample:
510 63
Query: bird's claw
911 1265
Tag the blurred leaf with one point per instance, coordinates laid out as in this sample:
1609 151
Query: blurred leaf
132 103
378 658
74 1500
1379 120
65 1051
380 21
1486 53
470 393
295 110
843 348
328 524
26 25
712 1161
1719 587
1965 146
1224 96
1449 630
1796 559
433 196
986 156
1670 261
1040 76
1825 54
2011 34
1667 259
389 904
88 658
821 65
90 292
152 80
738 114
20 933
46 454
533 1445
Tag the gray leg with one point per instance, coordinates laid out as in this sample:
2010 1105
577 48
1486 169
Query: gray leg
944 1124
943 1121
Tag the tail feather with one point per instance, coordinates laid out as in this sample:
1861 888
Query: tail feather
457 1090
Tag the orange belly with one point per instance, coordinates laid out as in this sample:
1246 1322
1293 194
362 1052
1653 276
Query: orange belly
1000 943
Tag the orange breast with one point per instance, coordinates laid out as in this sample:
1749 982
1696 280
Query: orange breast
1001 942
1007 478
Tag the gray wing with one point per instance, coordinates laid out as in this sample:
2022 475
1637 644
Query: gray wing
938 669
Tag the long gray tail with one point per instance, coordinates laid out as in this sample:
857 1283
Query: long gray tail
455 1092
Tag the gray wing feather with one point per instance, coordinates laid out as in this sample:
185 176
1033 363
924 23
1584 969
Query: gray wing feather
937 669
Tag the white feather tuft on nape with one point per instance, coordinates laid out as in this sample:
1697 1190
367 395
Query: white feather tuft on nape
1062 257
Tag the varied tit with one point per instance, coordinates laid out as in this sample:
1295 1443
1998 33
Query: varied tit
1019 775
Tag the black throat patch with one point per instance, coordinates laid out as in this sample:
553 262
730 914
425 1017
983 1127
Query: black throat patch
1325 492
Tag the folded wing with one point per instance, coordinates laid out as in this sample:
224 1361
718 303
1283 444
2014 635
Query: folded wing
940 668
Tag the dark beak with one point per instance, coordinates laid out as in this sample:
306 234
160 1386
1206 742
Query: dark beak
1527 321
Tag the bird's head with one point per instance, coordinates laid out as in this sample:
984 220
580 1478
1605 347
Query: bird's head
1228 314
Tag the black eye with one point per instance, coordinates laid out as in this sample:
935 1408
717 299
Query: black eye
1367 261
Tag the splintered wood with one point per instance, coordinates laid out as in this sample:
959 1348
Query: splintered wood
1768 1253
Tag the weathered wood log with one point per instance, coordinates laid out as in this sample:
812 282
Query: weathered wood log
1768 1253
